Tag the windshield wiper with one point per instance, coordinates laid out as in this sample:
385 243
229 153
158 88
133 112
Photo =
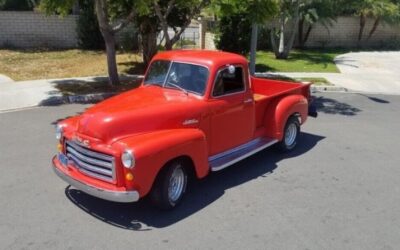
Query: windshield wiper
178 87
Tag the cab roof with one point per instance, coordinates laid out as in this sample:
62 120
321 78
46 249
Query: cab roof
207 58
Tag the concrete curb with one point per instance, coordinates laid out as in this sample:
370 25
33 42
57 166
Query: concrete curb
81 99
328 88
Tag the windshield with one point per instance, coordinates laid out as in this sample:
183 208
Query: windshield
182 76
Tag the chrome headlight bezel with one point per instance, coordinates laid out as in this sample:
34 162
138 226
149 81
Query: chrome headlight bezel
128 159
59 132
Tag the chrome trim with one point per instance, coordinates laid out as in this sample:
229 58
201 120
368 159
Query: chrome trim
91 163
89 152
90 167
91 160
190 122
116 196
264 143
250 100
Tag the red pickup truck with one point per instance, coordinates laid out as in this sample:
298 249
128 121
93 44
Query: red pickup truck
195 112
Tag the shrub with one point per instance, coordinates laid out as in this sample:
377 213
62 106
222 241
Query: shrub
127 39
234 34
88 32
264 38
19 5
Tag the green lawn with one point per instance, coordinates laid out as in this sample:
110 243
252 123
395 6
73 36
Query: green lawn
299 61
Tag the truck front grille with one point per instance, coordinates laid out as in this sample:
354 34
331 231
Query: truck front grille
90 162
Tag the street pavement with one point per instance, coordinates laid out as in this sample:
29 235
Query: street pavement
340 189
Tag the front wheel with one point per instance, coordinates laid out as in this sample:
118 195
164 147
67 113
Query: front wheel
170 185
291 134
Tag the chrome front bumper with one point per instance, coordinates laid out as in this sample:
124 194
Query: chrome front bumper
128 196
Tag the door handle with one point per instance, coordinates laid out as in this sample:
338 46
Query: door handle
250 100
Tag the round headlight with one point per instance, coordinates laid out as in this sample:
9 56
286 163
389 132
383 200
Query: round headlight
127 158
59 132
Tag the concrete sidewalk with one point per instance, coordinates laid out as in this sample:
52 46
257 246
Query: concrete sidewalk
25 94
5 79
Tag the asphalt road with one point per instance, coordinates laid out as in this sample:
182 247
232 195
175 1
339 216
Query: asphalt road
339 190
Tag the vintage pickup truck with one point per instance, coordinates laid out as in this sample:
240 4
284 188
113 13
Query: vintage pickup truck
195 112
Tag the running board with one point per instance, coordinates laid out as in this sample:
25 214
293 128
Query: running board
230 157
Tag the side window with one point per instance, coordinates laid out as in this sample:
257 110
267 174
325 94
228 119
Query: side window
229 81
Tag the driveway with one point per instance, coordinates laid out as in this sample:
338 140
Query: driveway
376 72
340 189
364 72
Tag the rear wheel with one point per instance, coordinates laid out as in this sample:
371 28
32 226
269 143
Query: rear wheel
291 134
170 185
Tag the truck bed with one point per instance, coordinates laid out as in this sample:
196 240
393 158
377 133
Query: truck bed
266 91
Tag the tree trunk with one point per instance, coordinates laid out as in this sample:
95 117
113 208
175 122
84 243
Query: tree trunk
303 38
374 27
281 47
310 27
273 41
362 26
253 48
148 34
284 49
149 46
111 60
300 33
168 45
292 38
109 39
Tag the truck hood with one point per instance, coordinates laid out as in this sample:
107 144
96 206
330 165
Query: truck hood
145 109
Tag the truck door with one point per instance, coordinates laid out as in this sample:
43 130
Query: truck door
232 109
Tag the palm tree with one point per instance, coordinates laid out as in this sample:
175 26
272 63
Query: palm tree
380 10
315 11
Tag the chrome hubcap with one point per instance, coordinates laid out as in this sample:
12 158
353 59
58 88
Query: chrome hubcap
290 135
176 184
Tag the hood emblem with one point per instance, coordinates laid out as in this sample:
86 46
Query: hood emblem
190 121
82 142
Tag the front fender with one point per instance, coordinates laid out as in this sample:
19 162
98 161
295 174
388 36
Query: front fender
287 106
153 150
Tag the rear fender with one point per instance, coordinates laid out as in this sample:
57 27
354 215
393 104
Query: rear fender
153 150
286 107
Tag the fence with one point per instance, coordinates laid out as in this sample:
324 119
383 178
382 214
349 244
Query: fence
344 33
30 29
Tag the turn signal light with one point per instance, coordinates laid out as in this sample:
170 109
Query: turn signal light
59 147
129 176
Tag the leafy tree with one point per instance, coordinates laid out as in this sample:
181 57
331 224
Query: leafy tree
382 10
178 15
234 33
110 19
88 32
160 16
19 5
316 11
254 11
